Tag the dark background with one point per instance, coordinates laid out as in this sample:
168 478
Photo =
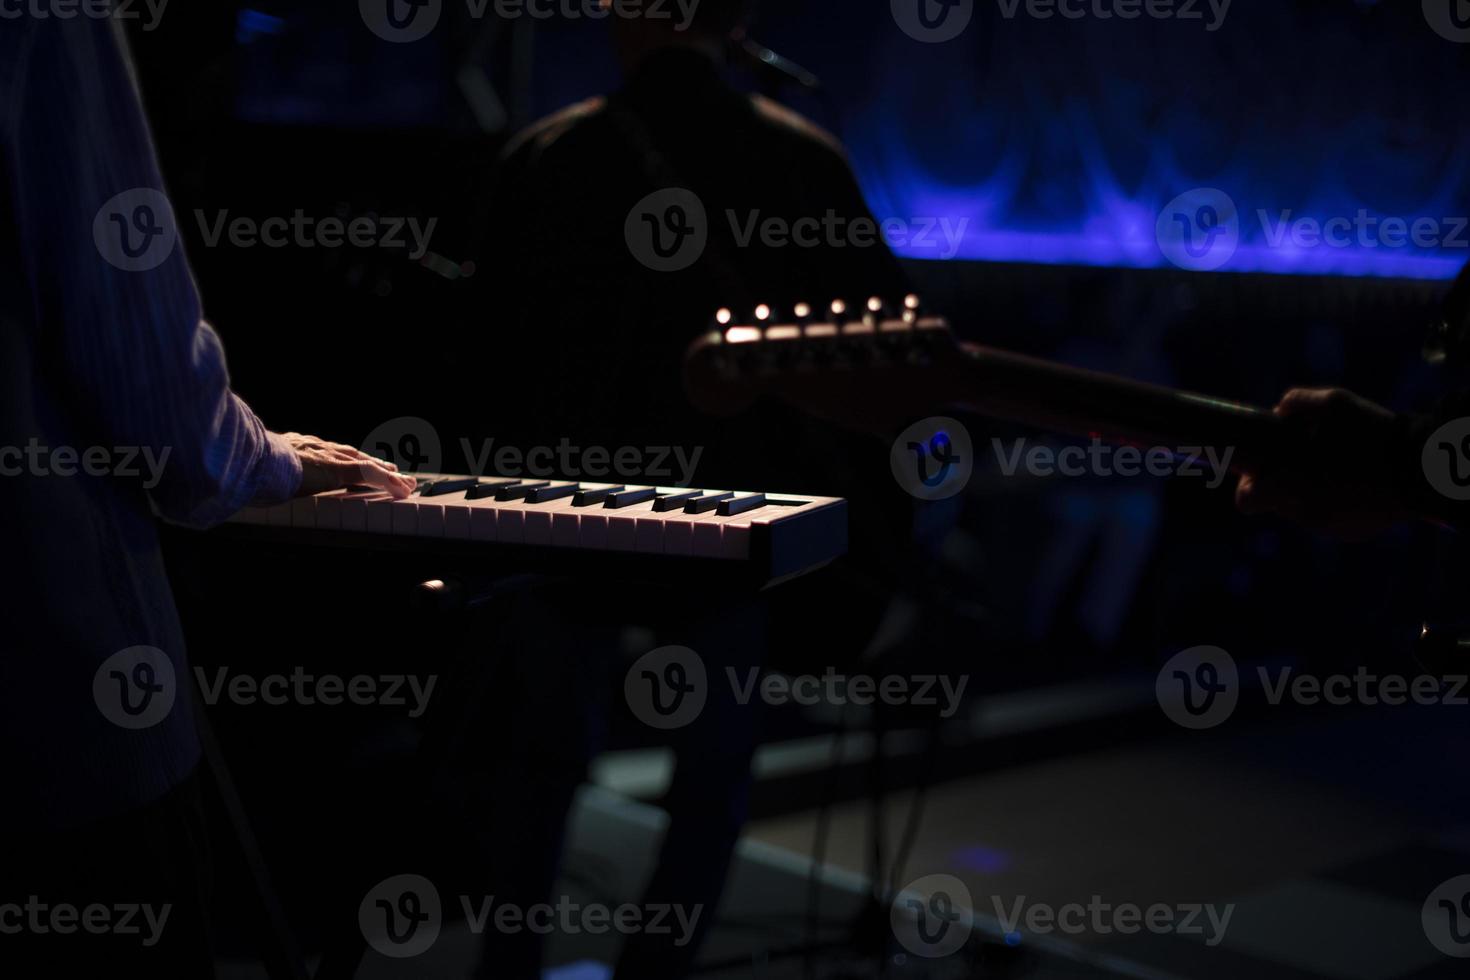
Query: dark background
1058 141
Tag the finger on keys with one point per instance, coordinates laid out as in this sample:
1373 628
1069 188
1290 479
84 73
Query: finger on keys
373 474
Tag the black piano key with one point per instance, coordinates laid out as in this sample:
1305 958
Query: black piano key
674 501
547 494
589 498
440 488
707 503
518 491
627 498
742 505
488 489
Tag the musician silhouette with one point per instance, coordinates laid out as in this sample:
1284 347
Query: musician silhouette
102 344
611 234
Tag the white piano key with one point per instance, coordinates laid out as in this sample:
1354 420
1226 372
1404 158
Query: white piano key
430 520
484 520
380 515
405 517
538 518
329 510
679 530
355 509
648 536
566 521
592 529
303 512
457 520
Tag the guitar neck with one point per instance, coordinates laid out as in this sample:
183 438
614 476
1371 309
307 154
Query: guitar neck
870 373
1057 397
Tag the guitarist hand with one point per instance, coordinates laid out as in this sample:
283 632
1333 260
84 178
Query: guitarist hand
1347 473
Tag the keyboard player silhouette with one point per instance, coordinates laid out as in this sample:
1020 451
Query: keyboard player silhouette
601 335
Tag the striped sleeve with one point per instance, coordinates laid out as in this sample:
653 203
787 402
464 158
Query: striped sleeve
114 299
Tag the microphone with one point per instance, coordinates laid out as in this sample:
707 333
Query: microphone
773 69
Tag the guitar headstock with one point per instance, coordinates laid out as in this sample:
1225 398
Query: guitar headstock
811 354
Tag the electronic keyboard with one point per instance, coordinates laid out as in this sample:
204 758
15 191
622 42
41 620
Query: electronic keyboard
772 536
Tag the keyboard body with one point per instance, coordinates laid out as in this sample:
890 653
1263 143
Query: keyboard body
566 525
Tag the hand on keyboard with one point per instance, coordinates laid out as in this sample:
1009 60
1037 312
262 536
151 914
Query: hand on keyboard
330 466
